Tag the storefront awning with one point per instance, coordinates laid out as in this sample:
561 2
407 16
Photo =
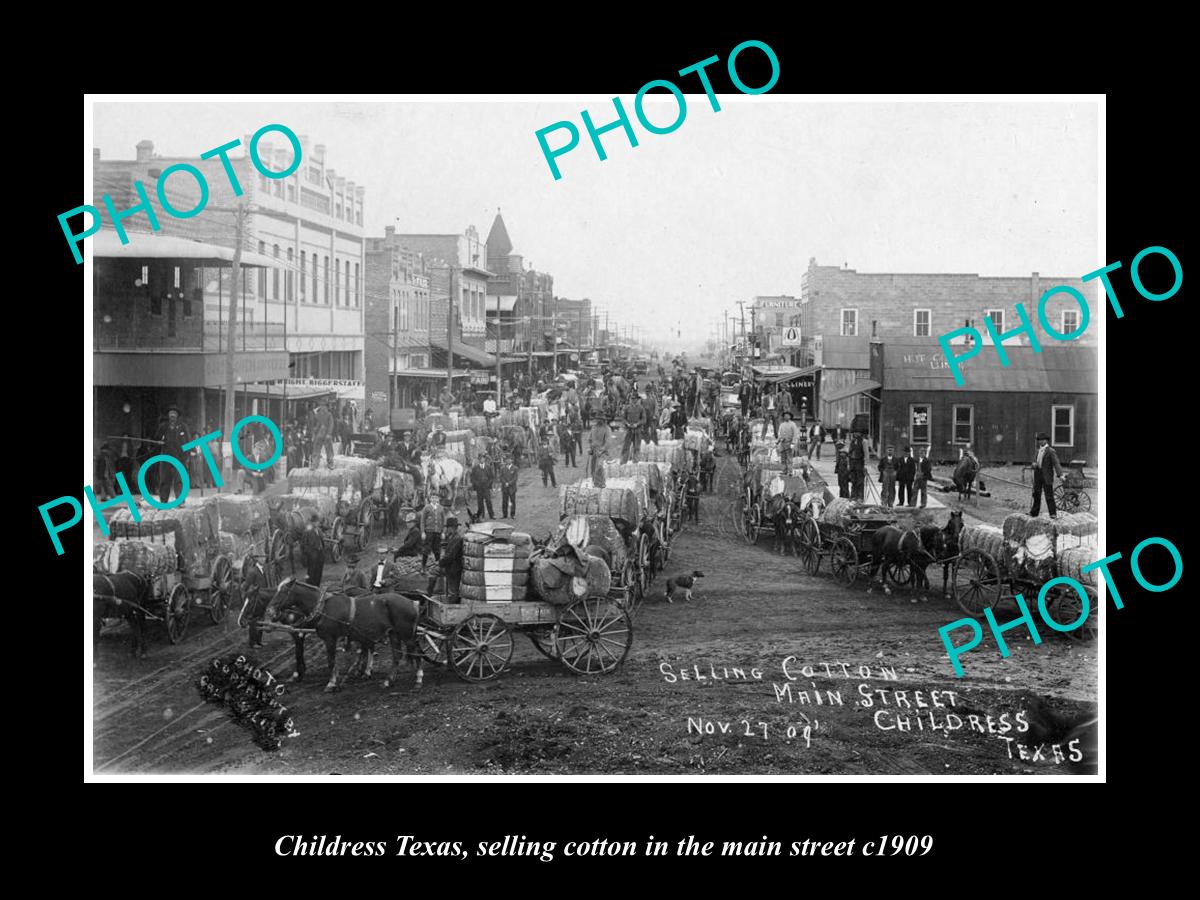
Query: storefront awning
505 303
861 386
793 375
107 245
468 352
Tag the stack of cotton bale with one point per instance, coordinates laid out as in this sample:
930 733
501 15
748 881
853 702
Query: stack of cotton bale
340 484
132 555
495 563
190 528
635 483
363 469
652 472
1029 547
581 499
988 538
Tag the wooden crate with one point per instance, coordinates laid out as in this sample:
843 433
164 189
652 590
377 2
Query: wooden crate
516 612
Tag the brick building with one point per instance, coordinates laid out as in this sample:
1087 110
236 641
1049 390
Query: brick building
520 300
398 310
842 310
309 225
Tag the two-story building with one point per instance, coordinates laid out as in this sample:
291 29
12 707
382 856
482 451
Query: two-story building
153 345
308 225
842 310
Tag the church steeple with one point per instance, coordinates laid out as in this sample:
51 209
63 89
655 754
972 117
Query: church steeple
498 242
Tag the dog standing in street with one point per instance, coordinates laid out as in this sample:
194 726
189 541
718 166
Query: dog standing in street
681 586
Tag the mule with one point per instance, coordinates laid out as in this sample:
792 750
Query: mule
895 546
123 595
948 549
786 517
363 619
964 476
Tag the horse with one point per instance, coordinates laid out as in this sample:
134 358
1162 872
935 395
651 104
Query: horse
895 546
945 549
444 472
363 619
786 516
964 476
123 595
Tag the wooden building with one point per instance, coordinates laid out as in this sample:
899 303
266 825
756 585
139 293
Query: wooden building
998 410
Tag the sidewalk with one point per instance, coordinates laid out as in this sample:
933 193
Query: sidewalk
824 467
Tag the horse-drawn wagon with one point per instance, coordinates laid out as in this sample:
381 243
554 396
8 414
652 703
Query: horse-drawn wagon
200 574
290 515
1071 494
844 531
568 616
627 545
771 500
995 564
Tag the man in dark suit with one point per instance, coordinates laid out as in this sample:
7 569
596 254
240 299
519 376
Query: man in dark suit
173 436
481 481
887 478
1045 467
924 473
857 455
905 473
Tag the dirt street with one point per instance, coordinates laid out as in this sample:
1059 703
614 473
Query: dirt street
766 671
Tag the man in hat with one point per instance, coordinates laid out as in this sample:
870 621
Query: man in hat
858 465
173 436
451 562
598 439
410 544
650 403
312 550
924 474
788 435
635 421
816 437
433 523
906 472
841 468
888 467
322 435
1045 467
508 488
481 482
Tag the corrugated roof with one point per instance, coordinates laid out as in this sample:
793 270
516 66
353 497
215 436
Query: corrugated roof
921 366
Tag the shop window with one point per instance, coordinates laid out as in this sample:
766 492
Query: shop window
1062 422
919 424
964 424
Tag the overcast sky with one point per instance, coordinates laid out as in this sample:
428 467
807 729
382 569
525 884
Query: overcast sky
730 205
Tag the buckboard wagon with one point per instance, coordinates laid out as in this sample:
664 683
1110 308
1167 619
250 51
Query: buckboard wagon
588 635
993 566
844 532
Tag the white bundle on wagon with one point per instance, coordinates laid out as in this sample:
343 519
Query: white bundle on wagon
635 483
363 469
652 472
670 452
988 538
697 440
237 545
842 512
1072 561
586 499
495 563
146 558
191 529
1029 547
340 484
1074 531
700 423
240 513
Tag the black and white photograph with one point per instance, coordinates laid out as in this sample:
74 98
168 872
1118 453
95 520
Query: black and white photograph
698 433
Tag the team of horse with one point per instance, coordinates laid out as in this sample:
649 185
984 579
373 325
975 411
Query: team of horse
915 549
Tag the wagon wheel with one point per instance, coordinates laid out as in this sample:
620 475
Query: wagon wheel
810 546
178 612
220 593
480 647
1066 498
593 636
337 534
844 560
976 582
432 644
1064 606
366 522
899 573
543 640
278 555
753 523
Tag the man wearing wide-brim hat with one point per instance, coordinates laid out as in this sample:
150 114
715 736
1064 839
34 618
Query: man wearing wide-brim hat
174 434
1045 467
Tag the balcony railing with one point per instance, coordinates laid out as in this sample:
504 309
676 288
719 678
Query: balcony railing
213 337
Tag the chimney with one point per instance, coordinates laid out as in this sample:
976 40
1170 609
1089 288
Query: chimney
1035 289
389 231
145 150
95 154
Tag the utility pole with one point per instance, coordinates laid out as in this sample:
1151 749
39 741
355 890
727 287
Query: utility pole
499 383
450 331
230 381
395 374
554 338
